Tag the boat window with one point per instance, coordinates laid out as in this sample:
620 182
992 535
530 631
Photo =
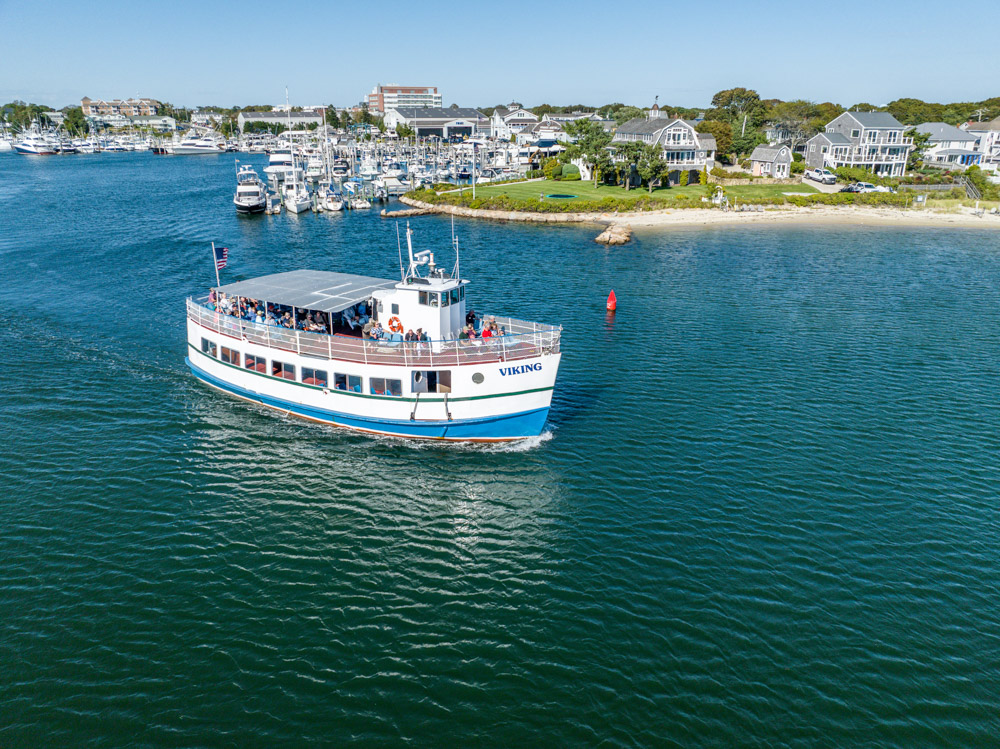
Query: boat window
395 309
283 370
207 347
256 363
350 383
454 296
312 376
383 386
422 298
444 298
230 356
431 381
461 292
434 298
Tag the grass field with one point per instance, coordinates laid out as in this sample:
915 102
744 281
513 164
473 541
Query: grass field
585 190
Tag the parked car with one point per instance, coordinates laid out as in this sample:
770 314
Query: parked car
821 175
864 187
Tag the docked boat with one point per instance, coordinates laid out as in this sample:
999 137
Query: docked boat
297 197
251 192
320 366
34 143
207 143
279 164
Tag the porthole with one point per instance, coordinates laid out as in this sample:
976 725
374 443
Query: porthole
478 378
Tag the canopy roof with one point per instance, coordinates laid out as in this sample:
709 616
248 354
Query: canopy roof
319 290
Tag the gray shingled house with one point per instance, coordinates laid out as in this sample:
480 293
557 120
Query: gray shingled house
771 161
867 140
684 148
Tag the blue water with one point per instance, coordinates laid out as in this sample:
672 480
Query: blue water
764 511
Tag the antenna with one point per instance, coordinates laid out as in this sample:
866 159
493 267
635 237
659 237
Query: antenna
399 247
454 241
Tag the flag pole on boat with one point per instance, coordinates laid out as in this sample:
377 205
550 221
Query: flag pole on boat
215 262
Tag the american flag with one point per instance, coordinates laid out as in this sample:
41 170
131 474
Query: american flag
221 257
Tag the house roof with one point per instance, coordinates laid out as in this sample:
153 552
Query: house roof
768 153
318 290
439 113
644 125
993 124
875 119
942 131
834 139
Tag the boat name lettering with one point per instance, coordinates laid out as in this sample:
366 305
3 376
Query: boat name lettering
504 371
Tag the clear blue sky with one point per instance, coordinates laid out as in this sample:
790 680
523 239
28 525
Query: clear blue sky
484 53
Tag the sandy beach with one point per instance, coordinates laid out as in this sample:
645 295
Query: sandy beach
818 215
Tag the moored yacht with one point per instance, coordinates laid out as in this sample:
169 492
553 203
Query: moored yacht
35 143
311 343
192 144
251 192
297 197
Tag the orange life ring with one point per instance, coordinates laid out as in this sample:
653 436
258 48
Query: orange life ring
395 325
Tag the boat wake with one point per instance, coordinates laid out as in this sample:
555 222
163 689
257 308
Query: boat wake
516 446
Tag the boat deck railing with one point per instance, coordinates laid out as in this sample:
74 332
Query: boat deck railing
524 340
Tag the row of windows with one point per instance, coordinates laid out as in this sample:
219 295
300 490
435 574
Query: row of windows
310 375
430 298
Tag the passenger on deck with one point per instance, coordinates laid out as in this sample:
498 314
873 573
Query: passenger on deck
377 331
366 331
470 317
487 333
410 336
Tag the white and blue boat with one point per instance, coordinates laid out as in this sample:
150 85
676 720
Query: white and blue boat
329 362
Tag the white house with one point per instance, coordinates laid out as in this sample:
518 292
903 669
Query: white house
542 130
508 121
947 145
988 142
279 118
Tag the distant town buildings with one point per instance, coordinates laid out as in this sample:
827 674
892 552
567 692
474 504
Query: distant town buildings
383 98
444 123
510 120
126 107
279 118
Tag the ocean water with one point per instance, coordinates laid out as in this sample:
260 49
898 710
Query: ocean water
765 510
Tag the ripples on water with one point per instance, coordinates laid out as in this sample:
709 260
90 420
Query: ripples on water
764 511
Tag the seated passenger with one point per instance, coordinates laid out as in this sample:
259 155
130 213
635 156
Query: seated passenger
410 336
487 333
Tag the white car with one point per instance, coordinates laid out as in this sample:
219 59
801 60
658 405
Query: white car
821 175
867 187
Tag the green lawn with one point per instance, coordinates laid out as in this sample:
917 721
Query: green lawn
749 192
585 190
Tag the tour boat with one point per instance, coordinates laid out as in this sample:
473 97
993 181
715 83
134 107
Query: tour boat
251 193
445 386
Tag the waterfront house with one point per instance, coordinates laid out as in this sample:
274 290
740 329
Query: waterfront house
508 121
279 118
444 123
684 148
161 123
864 140
771 161
949 146
987 136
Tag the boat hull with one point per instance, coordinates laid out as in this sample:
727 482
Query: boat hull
493 428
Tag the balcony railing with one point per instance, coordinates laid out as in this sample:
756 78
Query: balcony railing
524 340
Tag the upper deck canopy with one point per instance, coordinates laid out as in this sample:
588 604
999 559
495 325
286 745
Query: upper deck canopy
319 290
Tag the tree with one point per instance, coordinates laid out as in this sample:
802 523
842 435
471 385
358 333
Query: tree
798 120
404 131
543 109
627 155
627 113
380 124
864 107
332 118
744 144
735 104
591 144
920 143
721 131
651 163
75 122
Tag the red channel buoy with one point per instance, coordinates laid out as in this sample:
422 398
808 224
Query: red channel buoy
612 301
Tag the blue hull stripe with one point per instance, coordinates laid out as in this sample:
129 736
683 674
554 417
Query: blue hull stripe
489 428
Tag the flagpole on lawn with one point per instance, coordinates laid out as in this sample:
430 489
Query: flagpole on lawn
215 262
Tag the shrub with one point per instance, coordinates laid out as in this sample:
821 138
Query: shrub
857 174
685 177
703 177
534 173
550 164
570 169
571 176
556 171
798 157
798 167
